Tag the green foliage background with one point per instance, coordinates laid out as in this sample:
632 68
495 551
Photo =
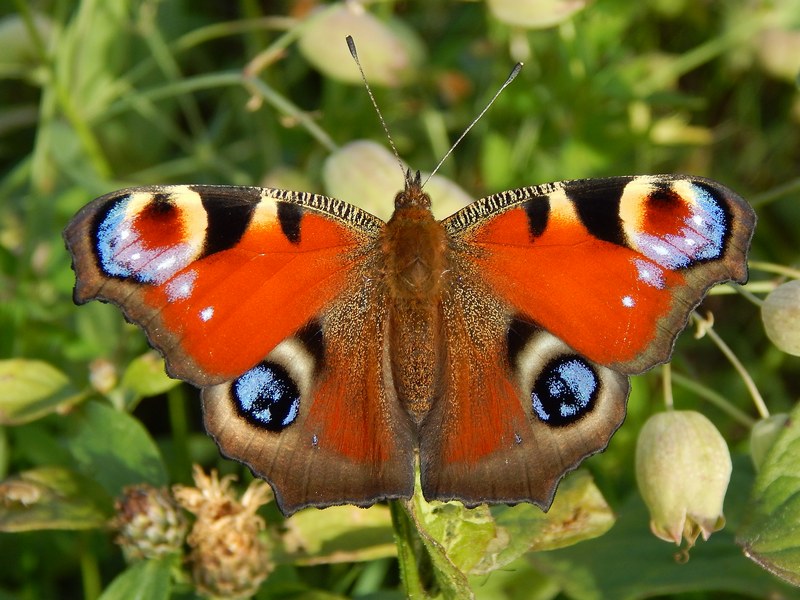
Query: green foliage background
98 95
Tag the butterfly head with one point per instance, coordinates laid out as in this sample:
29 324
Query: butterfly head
412 196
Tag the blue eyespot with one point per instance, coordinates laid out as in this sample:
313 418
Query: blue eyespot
565 390
267 397
124 253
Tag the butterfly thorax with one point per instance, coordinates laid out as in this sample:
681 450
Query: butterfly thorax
414 248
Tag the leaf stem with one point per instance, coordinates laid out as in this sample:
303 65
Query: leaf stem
707 328
404 536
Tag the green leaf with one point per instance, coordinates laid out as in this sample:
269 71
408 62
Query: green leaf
52 498
338 534
629 562
771 533
579 512
497 161
461 541
145 580
113 448
421 554
465 534
145 376
30 389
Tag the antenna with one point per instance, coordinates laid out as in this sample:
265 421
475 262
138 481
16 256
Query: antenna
511 76
514 72
352 46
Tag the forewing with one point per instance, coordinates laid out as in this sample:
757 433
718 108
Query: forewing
216 275
613 266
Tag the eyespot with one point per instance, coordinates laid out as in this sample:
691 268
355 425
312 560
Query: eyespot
267 397
565 390
149 236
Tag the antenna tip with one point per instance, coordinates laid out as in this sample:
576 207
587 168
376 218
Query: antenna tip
352 46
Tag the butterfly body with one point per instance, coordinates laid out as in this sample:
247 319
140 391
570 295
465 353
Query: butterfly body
336 351
414 255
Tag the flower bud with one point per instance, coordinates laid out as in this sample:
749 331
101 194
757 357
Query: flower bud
149 523
366 174
781 316
535 14
683 468
103 375
763 436
389 52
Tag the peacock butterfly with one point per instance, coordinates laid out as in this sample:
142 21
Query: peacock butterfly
334 350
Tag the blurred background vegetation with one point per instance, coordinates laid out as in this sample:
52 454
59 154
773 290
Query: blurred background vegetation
98 95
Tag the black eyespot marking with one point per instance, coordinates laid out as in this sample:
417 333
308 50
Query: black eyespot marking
599 210
229 212
537 211
518 334
160 204
289 216
267 397
663 195
565 390
311 338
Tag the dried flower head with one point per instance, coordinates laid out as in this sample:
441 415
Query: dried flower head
229 558
149 523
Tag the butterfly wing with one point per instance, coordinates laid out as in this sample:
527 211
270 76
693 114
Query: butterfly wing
518 409
315 416
243 290
611 266
560 292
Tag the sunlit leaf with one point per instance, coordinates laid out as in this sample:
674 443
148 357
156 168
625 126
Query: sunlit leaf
338 534
145 376
52 498
771 534
30 389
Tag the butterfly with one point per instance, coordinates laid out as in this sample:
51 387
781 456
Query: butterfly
336 351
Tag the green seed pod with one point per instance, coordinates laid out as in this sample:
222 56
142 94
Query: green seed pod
389 52
683 468
535 14
781 316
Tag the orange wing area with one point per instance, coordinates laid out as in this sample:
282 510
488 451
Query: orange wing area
613 266
480 412
349 440
483 440
247 299
581 289
216 275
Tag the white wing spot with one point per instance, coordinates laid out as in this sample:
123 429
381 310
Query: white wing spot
166 263
207 313
628 302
